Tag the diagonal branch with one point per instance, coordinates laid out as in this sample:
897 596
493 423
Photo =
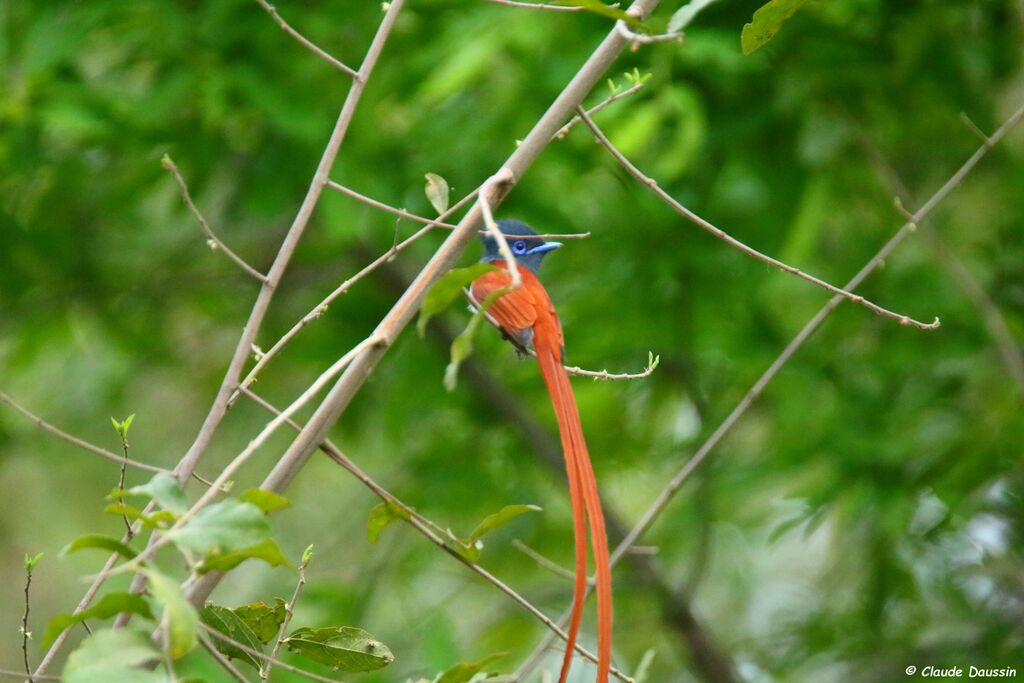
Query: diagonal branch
438 222
1008 349
264 656
82 443
214 241
224 662
307 43
653 186
564 130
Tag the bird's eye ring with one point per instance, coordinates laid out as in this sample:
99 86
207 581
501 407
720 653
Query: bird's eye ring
519 247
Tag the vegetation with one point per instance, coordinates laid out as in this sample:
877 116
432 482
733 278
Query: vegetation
862 516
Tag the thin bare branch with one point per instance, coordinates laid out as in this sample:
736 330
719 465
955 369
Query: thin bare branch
215 242
224 662
974 128
349 192
121 481
25 633
652 184
1008 349
265 657
289 611
437 222
82 443
539 5
306 43
544 562
614 97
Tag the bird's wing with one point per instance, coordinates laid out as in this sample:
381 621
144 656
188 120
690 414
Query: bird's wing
516 310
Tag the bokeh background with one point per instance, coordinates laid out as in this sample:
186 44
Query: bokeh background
864 516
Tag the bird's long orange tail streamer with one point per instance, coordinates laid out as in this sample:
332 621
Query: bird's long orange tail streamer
577 457
529 308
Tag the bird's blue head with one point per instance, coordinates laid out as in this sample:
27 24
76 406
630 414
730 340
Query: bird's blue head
526 246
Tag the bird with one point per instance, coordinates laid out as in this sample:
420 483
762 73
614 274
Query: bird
526 317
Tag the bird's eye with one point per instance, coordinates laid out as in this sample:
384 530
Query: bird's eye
519 247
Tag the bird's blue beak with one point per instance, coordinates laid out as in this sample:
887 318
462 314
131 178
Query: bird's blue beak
544 248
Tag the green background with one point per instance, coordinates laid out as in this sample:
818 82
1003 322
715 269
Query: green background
864 516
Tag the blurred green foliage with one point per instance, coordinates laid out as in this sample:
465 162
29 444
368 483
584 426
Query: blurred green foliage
865 515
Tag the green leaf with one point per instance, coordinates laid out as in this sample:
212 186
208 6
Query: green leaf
108 606
464 671
382 515
268 551
181 617
268 501
685 14
31 562
123 427
437 192
164 489
163 518
462 345
110 655
462 348
598 7
766 22
500 519
342 648
470 547
443 292
223 527
264 620
230 624
307 555
101 542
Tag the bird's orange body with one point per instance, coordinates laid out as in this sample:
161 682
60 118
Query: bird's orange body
528 312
